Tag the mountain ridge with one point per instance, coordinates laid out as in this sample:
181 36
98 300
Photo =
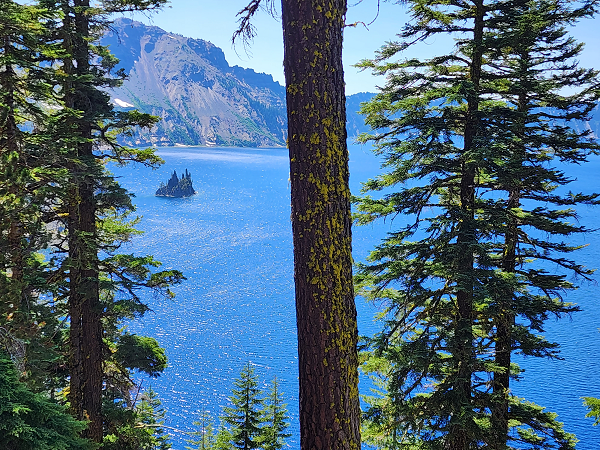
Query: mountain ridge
201 99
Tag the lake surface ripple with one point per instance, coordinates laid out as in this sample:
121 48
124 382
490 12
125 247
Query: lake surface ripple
233 242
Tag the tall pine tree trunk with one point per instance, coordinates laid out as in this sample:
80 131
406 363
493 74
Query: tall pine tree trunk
326 314
505 321
461 422
85 311
84 303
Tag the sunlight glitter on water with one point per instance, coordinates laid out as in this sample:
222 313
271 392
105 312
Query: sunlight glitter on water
233 242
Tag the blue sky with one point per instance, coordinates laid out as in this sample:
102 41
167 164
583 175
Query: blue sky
215 21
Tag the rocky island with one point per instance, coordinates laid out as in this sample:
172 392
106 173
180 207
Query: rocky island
177 187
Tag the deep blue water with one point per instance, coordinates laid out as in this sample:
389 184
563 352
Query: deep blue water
233 242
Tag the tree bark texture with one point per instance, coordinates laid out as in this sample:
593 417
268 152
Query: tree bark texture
326 314
85 311
84 301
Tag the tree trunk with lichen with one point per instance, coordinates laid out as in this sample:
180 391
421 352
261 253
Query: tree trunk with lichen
326 314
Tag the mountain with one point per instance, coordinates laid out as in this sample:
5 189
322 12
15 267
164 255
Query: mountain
201 99
594 123
355 123
191 87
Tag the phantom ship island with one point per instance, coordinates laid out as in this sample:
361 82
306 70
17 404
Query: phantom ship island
177 187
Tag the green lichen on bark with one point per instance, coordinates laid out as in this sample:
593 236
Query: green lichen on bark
326 315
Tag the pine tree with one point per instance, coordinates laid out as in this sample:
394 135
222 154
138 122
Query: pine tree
15 20
470 138
530 46
245 416
275 420
100 291
434 313
150 418
136 426
30 421
593 404
223 438
26 184
320 194
53 178
206 433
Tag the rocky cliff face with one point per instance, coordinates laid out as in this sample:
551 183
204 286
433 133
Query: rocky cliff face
199 97
191 87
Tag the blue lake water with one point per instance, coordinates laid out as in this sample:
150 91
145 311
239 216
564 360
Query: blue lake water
233 242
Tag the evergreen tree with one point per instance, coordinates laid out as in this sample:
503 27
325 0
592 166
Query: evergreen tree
275 420
22 87
151 417
470 138
137 427
30 421
593 404
245 416
529 45
83 135
56 192
437 305
26 188
206 433
223 438
128 422
54 177
320 196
